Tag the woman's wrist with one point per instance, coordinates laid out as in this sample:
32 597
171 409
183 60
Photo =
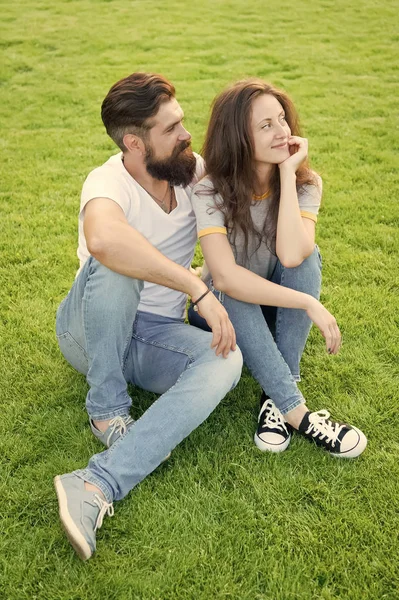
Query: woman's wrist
287 170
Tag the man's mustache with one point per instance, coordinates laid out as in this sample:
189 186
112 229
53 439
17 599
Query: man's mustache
181 147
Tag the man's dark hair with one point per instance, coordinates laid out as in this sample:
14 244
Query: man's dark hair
130 104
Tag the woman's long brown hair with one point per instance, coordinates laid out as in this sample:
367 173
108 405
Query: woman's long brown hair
229 158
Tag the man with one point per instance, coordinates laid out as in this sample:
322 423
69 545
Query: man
123 320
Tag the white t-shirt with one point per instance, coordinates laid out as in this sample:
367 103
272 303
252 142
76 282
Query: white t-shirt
173 234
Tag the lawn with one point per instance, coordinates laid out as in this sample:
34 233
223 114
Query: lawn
219 520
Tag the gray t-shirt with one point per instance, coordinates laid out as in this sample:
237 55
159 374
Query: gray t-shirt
259 260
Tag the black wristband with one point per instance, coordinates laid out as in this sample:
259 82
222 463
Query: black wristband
195 307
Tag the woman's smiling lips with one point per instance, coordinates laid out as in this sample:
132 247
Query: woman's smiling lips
280 146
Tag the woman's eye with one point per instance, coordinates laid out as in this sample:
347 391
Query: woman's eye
266 126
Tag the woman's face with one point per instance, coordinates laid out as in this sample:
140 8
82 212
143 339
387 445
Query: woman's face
270 130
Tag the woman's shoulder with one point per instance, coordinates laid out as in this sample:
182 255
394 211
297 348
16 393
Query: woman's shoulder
204 185
313 185
309 193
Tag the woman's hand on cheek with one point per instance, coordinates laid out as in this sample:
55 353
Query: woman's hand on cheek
298 148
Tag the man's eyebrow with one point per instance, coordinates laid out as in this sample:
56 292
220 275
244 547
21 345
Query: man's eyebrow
171 125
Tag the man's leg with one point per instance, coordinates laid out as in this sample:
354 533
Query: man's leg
202 383
94 330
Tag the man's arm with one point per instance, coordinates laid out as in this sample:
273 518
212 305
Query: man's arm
121 248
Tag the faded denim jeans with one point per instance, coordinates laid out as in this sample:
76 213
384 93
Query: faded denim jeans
103 335
271 339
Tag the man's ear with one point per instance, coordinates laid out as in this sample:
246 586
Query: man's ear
134 143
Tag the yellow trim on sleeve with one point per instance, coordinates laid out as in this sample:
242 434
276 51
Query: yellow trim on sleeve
308 215
209 230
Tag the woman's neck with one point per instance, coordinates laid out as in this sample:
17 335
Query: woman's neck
262 180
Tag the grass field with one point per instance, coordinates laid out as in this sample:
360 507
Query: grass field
219 520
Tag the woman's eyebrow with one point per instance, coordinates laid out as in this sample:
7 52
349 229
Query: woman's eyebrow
269 118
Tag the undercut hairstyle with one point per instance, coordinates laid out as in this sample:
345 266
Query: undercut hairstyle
229 154
131 103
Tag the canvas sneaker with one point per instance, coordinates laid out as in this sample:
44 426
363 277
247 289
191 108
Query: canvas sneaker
81 512
117 427
339 439
272 433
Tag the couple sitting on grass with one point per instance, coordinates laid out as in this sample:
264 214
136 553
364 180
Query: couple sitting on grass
253 202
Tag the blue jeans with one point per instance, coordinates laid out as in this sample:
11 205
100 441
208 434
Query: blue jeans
272 340
103 335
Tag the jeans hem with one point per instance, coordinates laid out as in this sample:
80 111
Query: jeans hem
87 476
111 415
291 404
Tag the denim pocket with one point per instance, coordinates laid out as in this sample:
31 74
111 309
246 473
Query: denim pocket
73 352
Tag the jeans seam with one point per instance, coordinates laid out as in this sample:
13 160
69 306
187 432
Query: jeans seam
185 352
60 335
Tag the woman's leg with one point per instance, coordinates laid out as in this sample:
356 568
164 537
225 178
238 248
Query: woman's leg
292 325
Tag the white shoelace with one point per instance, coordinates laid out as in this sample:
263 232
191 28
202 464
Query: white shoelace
119 425
319 425
104 507
273 417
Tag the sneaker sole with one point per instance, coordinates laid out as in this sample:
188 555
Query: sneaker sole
356 450
75 537
267 447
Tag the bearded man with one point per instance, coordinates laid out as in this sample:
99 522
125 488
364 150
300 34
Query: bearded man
123 320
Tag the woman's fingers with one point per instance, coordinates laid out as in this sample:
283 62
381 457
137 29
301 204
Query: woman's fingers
333 338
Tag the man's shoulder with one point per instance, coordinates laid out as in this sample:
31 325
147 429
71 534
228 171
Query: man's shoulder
111 168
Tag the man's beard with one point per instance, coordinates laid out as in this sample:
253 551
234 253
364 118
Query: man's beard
178 169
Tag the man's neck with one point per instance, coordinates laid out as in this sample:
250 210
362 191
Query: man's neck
138 171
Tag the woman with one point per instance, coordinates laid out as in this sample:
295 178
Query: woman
256 211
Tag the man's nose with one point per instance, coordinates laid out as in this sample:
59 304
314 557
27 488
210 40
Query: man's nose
184 135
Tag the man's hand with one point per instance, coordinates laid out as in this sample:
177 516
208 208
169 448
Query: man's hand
327 325
214 313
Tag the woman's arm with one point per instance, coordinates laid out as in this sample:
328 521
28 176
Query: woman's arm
242 284
295 236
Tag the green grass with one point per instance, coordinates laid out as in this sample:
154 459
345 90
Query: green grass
220 519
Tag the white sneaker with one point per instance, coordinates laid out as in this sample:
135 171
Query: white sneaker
273 433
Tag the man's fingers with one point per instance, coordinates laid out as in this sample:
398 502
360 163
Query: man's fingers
216 334
233 336
222 340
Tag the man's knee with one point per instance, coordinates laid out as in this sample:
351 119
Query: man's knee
232 367
110 282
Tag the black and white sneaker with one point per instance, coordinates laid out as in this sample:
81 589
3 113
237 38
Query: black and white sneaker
339 439
273 433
